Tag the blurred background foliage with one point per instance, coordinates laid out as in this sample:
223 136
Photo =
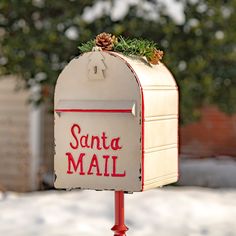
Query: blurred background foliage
39 37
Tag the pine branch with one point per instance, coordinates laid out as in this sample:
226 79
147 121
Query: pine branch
87 47
136 47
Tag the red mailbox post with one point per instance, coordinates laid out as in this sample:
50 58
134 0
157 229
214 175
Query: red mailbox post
119 228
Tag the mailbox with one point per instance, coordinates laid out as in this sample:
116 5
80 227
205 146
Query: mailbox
116 124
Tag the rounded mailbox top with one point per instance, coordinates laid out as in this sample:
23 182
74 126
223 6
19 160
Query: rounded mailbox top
96 66
148 75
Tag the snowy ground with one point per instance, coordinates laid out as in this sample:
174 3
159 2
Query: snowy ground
172 211
211 172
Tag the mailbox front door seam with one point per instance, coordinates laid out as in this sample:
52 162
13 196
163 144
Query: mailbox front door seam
142 113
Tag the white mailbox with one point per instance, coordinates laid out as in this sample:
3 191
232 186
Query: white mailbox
116 124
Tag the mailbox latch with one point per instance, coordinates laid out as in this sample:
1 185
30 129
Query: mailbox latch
96 66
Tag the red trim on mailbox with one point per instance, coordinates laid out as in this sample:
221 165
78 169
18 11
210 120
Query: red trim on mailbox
96 110
142 113
142 116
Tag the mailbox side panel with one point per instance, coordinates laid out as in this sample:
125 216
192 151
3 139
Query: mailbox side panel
98 126
159 122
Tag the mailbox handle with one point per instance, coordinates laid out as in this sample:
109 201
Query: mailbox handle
95 110
80 106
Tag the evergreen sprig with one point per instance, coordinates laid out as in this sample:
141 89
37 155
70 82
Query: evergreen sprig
87 47
136 47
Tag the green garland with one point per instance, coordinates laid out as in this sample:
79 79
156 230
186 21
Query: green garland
87 47
137 47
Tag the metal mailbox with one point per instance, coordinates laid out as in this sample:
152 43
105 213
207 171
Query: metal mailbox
116 124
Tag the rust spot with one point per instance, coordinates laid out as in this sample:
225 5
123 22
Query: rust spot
128 192
55 177
95 69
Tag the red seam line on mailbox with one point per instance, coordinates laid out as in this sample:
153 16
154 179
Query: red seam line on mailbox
96 110
142 113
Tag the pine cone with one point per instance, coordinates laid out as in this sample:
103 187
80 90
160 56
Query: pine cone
156 57
105 41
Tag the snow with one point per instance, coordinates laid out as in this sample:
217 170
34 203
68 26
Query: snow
210 172
170 211
120 8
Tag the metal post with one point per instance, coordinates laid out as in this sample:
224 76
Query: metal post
119 228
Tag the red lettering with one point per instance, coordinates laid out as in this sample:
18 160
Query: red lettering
75 166
104 139
114 174
84 141
94 164
74 126
93 139
106 157
90 141
115 144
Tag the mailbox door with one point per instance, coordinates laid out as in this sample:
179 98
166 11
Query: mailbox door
98 134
